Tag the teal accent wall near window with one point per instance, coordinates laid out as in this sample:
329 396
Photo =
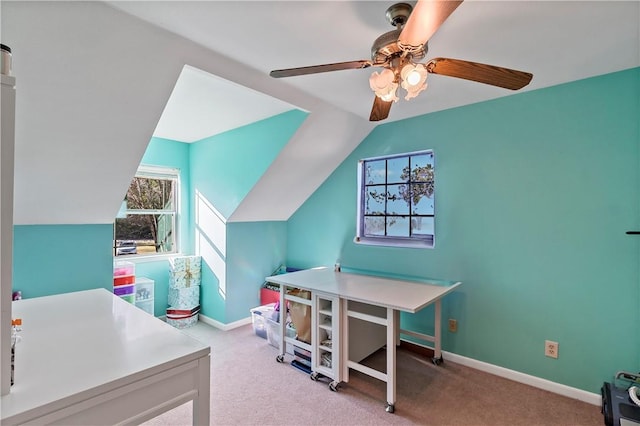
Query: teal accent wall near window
173 154
534 193
225 167
53 259
254 251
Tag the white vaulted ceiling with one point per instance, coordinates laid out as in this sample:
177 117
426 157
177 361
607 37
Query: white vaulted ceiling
203 105
557 41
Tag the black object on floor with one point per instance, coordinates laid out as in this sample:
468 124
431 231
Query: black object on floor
301 366
617 407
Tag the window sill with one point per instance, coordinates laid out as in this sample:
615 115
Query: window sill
147 258
394 243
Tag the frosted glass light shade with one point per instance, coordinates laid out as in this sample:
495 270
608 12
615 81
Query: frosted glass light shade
383 85
414 79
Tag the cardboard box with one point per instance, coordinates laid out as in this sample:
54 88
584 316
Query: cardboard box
186 263
183 322
175 313
184 279
184 298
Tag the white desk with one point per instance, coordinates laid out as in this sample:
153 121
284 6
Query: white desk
89 357
391 295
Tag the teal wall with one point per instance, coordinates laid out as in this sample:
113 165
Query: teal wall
63 258
254 251
53 259
168 153
534 193
223 169
172 154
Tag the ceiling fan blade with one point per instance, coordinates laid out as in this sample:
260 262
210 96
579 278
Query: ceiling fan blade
424 21
314 69
380 109
482 73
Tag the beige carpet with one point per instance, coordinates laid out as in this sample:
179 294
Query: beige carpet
248 387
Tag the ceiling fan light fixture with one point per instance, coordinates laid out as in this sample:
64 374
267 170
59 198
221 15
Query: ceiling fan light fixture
414 79
383 85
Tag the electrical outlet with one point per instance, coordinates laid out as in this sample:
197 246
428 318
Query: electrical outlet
453 325
551 349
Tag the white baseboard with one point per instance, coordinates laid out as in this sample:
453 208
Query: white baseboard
224 327
516 376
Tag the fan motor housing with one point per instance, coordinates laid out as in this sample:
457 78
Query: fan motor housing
385 48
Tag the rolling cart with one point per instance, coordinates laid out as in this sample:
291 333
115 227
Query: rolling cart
325 322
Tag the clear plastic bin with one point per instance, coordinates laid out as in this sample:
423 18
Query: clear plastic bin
273 334
259 317
144 289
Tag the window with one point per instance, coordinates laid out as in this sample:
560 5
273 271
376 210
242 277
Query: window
396 200
147 221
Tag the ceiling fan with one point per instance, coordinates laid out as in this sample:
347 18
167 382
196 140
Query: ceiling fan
399 51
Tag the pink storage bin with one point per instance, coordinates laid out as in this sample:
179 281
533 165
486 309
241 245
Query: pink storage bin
122 267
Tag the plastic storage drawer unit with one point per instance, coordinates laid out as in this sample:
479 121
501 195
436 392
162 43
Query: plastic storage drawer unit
124 290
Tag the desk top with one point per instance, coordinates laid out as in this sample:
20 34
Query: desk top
403 295
78 345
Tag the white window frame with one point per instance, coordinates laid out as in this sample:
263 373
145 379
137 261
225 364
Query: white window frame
422 241
158 172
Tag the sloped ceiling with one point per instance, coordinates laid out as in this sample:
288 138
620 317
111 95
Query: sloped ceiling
93 81
202 105
557 41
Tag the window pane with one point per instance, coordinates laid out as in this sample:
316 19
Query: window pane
397 199
422 226
374 200
374 225
375 172
397 226
144 234
397 170
396 206
422 168
150 194
422 203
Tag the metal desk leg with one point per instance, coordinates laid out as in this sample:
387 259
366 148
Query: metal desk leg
391 359
283 324
437 334
344 339
397 319
201 409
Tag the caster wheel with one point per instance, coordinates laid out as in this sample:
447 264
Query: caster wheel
314 376
280 358
390 408
334 386
437 361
